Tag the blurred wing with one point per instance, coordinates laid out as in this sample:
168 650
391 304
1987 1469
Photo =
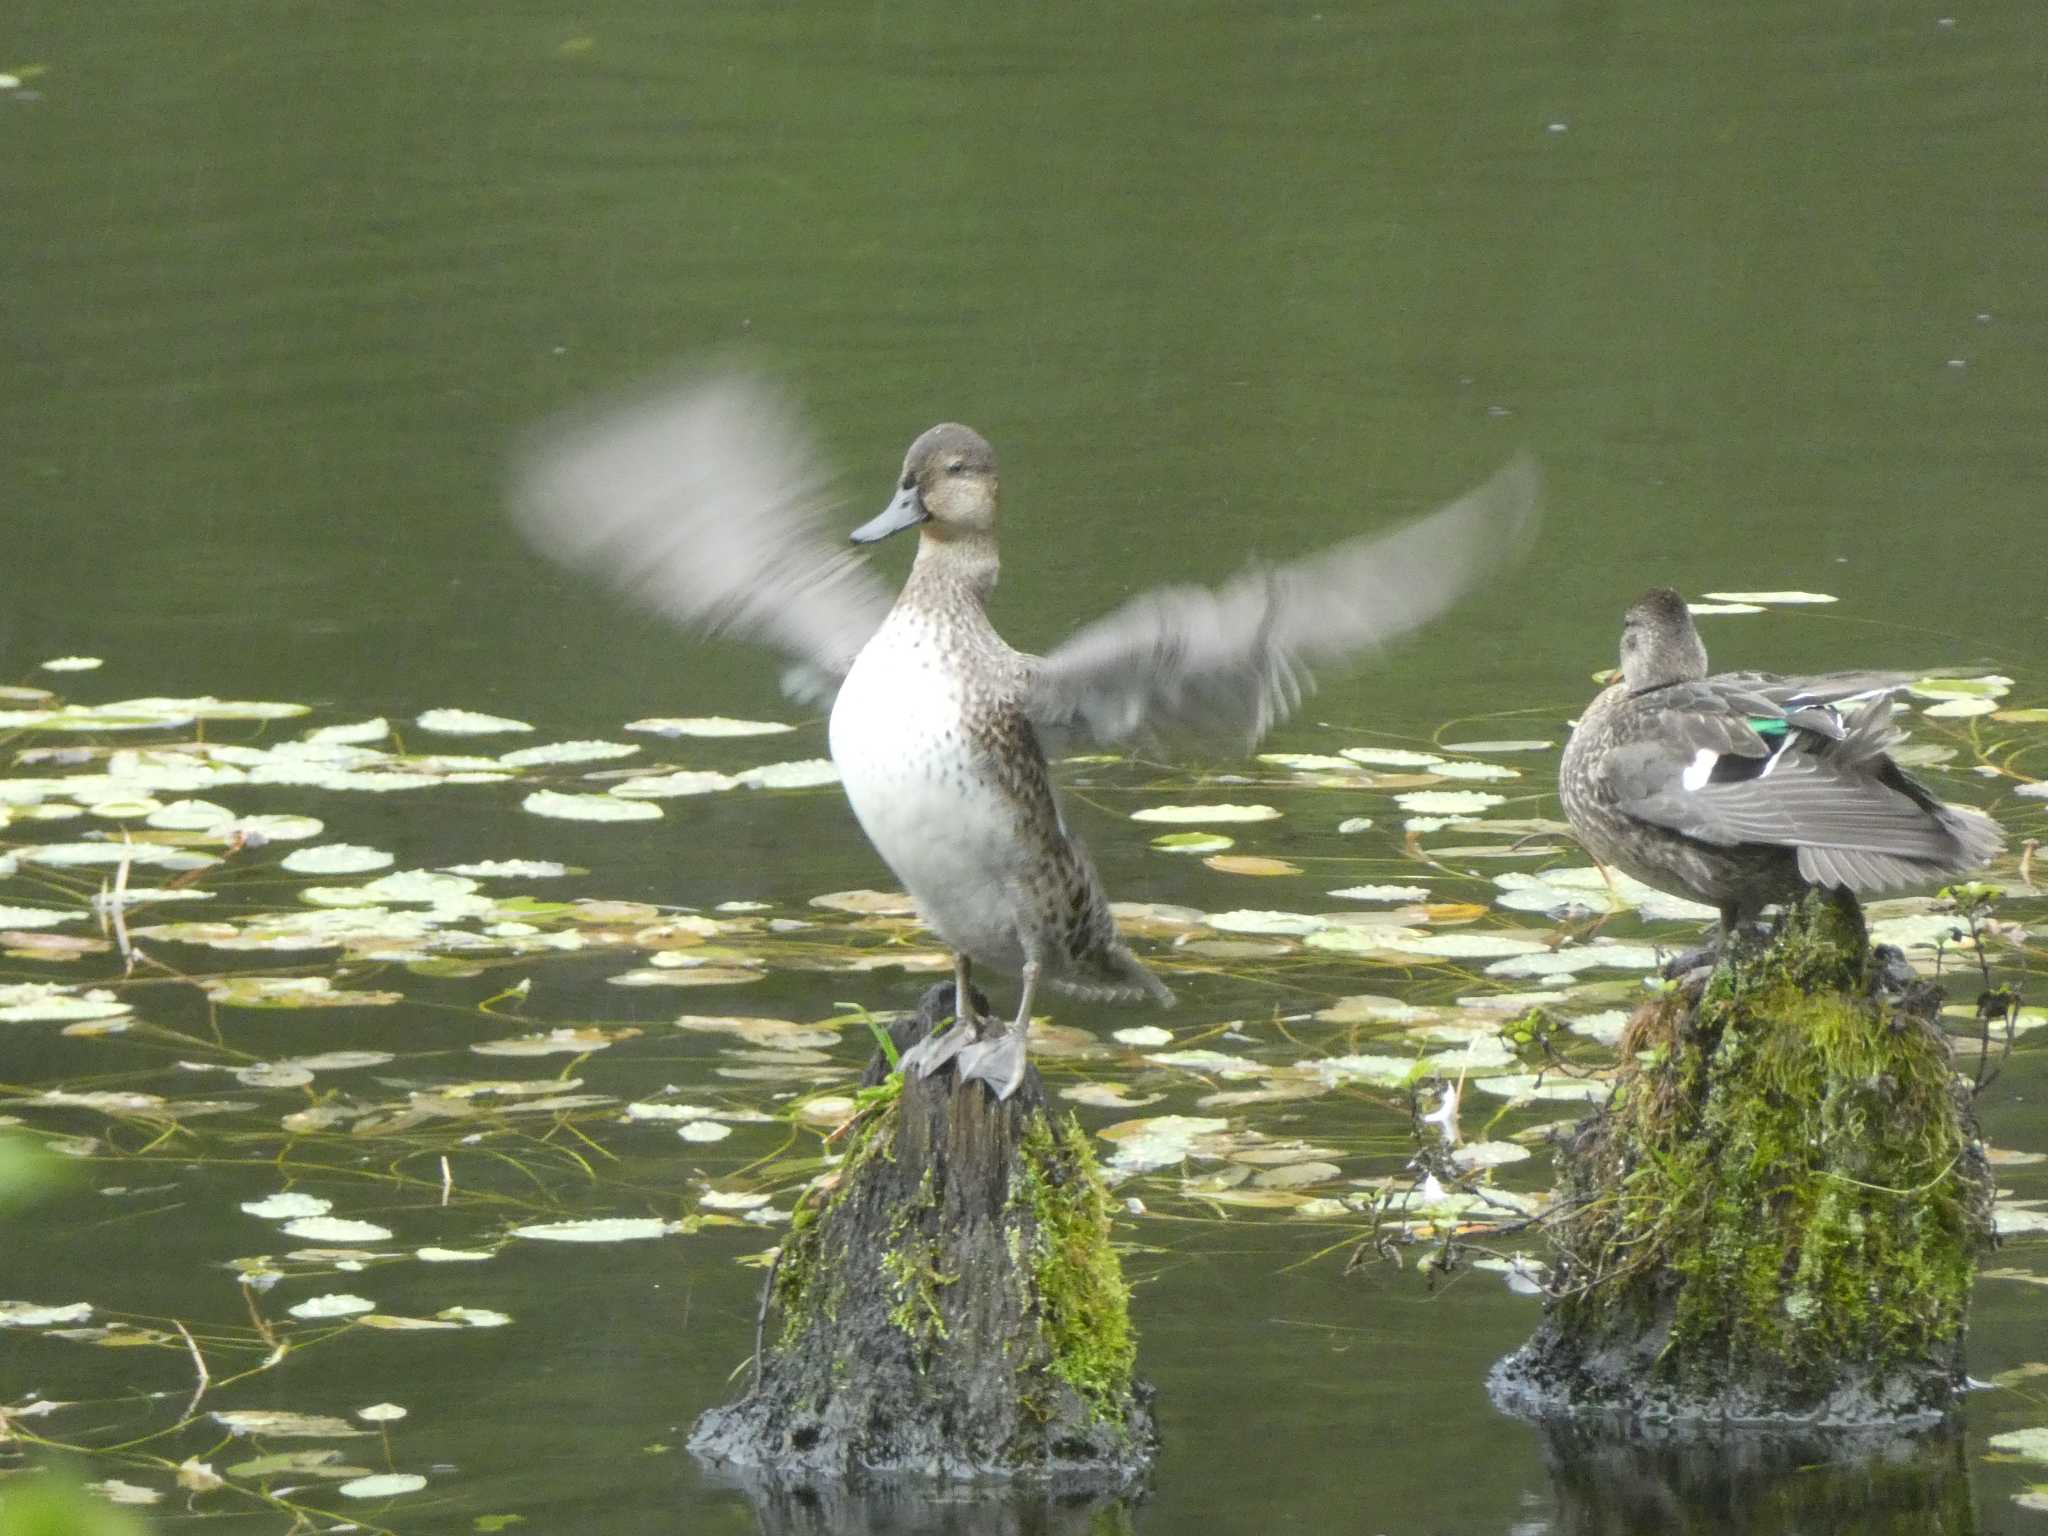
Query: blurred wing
702 501
1231 663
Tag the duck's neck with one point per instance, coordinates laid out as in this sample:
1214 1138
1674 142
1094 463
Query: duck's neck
953 567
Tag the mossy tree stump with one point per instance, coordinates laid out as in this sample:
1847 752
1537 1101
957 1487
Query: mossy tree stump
1777 1215
950 1307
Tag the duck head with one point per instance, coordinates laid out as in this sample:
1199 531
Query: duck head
948 488
1659 643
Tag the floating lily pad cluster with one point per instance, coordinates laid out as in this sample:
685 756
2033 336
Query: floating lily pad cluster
1403 976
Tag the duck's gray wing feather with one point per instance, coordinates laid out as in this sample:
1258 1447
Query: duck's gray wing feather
1813 701
1854 816
703 500
1228 664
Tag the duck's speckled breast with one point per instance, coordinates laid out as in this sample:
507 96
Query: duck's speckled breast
908 734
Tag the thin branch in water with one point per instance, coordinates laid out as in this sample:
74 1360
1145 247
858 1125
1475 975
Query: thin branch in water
198 1362
256 1317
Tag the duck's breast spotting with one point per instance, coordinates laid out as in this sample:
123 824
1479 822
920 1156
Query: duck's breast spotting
919 790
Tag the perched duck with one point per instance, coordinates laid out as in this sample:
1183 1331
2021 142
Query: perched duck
1744 789
704 501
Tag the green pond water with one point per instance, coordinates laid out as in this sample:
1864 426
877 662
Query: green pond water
1757 284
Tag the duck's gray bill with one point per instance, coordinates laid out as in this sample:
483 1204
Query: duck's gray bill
906 511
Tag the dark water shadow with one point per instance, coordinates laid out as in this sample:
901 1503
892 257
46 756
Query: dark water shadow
1758 1483
908 1507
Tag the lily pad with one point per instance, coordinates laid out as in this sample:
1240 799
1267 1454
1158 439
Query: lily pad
1192 842
2030 1444
568 752
672 786
554 1042
1401 893
336 859
1206 813
78 855
1309 762
291 992
28 1314
1246 921
868 903
336 1229
1772 598
382 1485
1459 770
1392 757
1960 709
1157 1141
806 774
353 734
1144 1035
1599 955
37 917
287 1205
565 807
1529 1085
604 1229
466 722
282 1425
509 869
33 1002
335 1304
1448 802
1251 864
708 725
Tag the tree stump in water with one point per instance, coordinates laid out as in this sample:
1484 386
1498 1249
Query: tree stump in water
950 1307
1777 1214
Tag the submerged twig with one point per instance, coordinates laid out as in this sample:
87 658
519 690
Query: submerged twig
198 1366
120 912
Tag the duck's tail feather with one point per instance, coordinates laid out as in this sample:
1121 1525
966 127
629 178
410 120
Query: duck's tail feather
1118 977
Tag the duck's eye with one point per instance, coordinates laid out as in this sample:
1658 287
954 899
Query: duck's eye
958 466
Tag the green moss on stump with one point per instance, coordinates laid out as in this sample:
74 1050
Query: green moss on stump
1084 1306
1778 1212
951 1307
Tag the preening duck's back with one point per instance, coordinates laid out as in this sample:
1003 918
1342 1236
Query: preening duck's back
1685 758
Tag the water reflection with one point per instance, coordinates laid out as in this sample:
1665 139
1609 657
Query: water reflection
1736 1484
911 1508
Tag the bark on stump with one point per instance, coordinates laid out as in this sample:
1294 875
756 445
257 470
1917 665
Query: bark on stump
950 1308
1777 1215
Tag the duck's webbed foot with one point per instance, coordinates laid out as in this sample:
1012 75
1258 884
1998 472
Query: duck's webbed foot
934 1051
999 1062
